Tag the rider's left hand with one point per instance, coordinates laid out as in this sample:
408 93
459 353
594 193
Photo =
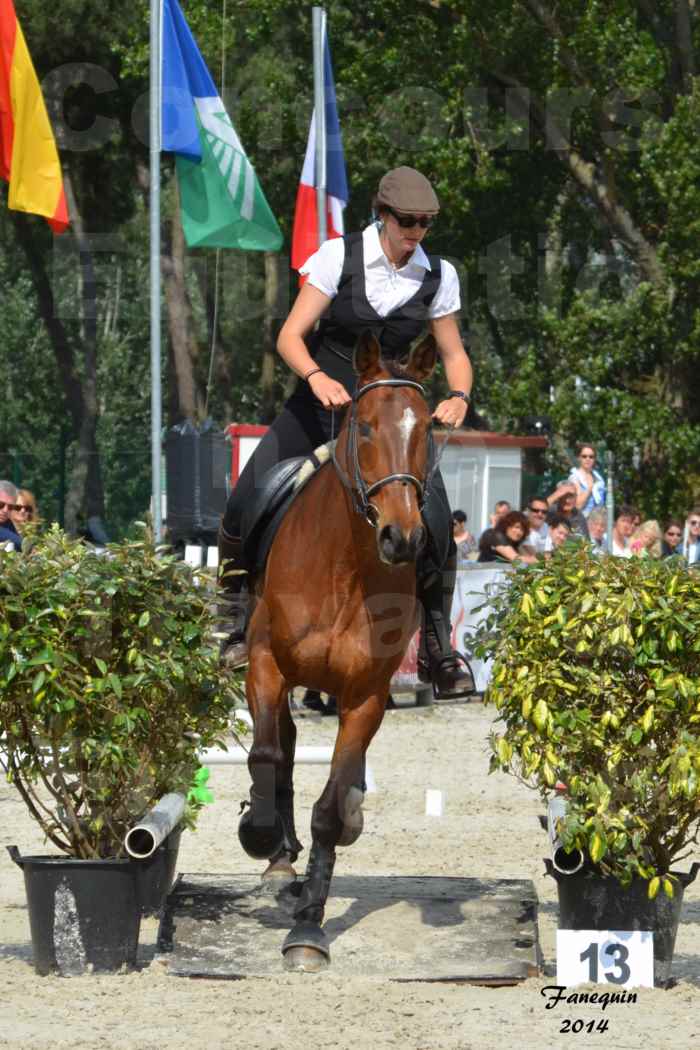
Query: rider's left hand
451 412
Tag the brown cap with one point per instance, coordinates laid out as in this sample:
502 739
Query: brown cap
407 190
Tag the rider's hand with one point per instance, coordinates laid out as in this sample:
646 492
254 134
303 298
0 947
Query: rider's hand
451 412
329 392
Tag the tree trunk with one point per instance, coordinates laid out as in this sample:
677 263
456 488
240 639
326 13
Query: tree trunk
180 325
270 329
84 495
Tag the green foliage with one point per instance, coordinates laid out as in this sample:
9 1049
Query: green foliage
597 681
109 685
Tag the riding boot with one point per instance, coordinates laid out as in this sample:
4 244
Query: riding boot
233 579
438 663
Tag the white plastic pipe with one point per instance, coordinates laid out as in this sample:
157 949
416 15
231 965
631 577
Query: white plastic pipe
564 862
144 839
304 756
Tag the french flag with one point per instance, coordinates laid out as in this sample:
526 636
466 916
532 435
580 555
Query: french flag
305 234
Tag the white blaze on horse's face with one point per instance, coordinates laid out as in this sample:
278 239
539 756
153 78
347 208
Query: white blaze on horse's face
406 424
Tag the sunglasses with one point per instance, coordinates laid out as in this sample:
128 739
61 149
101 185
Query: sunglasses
586 455
10 506
407 221
694 521
23 509
537 510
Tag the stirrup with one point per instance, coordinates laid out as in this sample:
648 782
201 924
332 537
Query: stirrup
432 671
234 651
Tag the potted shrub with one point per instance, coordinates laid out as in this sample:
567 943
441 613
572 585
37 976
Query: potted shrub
596 677
109 685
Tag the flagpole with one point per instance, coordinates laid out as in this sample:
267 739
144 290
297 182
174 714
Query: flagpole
319 27
156 73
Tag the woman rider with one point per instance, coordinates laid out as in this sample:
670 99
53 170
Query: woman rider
382 280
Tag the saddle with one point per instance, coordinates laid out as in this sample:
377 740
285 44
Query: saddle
279 487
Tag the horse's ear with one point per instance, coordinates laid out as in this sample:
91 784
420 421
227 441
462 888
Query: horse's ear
367 357
422 359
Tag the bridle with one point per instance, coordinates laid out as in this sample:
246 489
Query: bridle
352 477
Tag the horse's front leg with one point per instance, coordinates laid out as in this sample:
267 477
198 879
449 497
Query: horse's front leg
336 820
266 829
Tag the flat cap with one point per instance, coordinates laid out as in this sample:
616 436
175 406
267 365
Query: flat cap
407 190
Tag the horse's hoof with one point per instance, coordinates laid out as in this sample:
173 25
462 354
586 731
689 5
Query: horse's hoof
305 949
279 873
305 960
260 841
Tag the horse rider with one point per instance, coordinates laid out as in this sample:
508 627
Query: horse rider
380 279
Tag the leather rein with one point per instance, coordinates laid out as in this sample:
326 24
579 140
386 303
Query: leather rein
362 492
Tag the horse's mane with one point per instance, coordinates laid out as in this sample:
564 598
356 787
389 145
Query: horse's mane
395 369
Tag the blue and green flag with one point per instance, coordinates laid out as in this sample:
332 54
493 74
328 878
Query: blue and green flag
222 203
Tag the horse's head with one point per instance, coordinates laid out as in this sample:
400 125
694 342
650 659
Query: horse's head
388 446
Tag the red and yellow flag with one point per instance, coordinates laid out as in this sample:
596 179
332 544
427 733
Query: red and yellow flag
28 155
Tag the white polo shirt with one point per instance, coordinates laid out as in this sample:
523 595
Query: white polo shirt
386 287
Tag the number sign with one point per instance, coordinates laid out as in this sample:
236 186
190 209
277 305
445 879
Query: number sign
617 958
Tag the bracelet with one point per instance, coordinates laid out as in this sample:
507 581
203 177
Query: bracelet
312 372
459 393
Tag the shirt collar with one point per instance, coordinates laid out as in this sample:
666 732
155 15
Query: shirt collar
374 254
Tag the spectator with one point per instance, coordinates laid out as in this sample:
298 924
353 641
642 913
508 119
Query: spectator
622 530
597 522
691 540
502 507
589 484
466 544
645 541
25 512
671 539
502 543
559 532
536 514
565 503
8 503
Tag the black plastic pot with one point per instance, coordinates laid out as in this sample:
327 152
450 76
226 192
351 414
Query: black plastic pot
156 874
84 915
591 901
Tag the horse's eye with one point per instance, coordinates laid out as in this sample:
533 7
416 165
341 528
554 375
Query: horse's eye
365 429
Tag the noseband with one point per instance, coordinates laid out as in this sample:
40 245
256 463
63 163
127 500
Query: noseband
362 492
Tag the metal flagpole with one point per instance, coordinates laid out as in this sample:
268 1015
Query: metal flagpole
319 32
156 75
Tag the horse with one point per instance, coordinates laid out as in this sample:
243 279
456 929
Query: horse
335 610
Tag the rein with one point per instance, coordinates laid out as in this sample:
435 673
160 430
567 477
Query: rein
362 492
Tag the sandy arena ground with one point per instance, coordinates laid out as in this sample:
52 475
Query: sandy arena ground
488 828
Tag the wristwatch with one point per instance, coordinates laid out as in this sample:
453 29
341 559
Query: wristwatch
459 393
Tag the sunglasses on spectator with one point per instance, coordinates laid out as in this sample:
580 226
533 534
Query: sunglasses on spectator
537 510
587 455
10 506
694 521
673 532
22 508
407 221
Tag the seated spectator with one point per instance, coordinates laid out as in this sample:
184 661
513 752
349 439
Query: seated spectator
536 513
645 541
25 512
589 484
565 503
466 544
503 542
8 503
559 532
501 508
622 530
691 539
597 522
671 539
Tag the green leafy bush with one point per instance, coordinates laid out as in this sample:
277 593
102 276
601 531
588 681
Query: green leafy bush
110 683
597 680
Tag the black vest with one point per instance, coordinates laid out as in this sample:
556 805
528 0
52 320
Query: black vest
350 314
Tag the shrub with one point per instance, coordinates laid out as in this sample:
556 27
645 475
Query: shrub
597 681
110 684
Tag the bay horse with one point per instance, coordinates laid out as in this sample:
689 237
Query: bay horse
335 611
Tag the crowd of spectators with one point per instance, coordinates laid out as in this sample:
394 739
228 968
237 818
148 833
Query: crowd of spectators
576 508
